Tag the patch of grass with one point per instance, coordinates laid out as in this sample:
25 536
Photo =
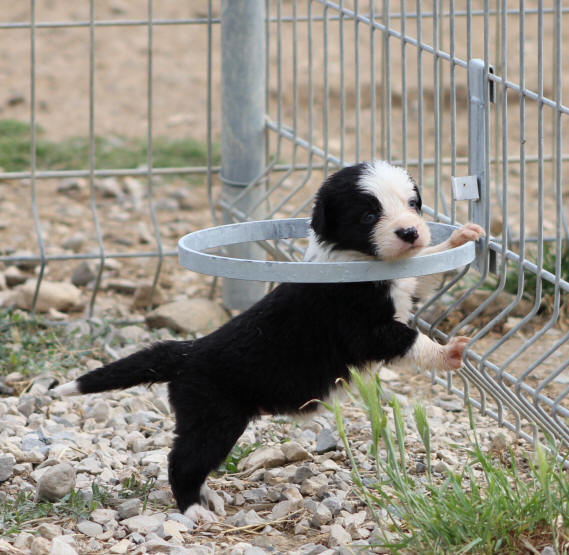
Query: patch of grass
500 512
133 487
110 152
31 346
19 512
237 453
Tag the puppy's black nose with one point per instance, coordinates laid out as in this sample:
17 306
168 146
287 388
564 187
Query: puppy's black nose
407 234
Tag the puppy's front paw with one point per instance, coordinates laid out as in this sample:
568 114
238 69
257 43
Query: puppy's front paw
197 512
453 351
468 232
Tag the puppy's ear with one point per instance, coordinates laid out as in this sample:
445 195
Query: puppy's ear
318 220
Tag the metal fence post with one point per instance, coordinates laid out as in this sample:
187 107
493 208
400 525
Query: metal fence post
243 128
477 106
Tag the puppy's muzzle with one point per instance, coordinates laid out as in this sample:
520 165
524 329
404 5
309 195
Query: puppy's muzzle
407 234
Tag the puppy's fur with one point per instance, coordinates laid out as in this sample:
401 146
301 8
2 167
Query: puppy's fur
294 344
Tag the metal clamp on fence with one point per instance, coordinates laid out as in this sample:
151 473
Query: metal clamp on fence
192 257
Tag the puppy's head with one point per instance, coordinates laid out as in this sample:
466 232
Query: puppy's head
372 208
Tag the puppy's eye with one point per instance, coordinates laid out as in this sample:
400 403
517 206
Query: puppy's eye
414 203
369 218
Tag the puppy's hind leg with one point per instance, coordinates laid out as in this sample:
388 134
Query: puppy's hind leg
200 446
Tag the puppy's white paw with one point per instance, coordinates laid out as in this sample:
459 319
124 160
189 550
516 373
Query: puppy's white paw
453 352
197 512
468 232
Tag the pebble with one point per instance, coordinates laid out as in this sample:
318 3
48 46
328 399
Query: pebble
338 536
129 508
144 524
89 528
7 463
188 316
326 440
264 457
58 295
83 274
56 482
49 531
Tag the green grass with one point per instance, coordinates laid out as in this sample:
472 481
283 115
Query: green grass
502 512
229 466
110 152
19 512
31 347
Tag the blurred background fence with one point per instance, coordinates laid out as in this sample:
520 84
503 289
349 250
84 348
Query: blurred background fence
238 110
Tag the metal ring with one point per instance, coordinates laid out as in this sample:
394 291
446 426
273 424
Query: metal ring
190 256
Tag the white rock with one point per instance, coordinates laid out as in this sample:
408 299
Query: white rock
120 547
294 452
63 545
144 524
59 295
90 528
188 316
7 462
56 482
265 457
339 536
49 531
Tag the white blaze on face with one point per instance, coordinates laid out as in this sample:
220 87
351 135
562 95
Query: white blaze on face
394 190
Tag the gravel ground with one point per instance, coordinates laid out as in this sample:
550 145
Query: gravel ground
292 494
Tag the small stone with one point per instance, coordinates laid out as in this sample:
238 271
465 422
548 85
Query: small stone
304 472
71 184
265 457
129 508
326 441
63 545
320 513
144 524
172 529
14 276
109 187
294 452
99 411
450 406
387 375
23 540
59 295
83 274
49 531
74 243
188 316
7 463
91 465
89 528
283 509
339 536
40 546
498 443
548 550
255 495
440 467
56 482
121 547
145 295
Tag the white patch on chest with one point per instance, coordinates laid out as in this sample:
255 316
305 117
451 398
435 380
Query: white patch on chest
402 293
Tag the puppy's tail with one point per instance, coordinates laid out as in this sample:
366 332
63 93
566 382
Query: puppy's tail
161 362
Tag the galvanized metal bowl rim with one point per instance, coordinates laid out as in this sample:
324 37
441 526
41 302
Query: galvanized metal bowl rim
190 256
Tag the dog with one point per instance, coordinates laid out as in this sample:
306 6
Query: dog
293 345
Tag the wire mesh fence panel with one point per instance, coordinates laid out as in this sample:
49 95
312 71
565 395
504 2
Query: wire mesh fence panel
442 88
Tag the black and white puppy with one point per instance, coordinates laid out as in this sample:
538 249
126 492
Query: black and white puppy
292 346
